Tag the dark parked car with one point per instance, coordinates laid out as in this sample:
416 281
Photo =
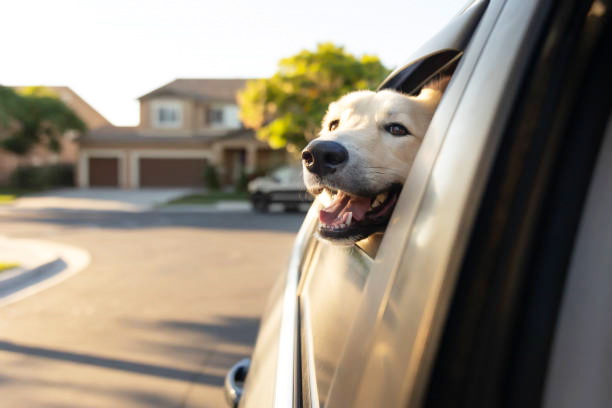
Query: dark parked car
491 286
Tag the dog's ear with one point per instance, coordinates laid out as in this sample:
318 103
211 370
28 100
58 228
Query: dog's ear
432 91
437 84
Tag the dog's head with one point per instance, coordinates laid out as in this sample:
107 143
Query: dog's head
362 156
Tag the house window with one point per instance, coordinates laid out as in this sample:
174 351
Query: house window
223 116
167 114
216 116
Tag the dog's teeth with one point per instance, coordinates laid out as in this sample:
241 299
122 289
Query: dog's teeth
342 226
382 197
349 218
376 203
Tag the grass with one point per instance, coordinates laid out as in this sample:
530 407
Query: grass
10 194
210 198
7 265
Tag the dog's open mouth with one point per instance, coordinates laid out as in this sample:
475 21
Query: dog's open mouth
352 217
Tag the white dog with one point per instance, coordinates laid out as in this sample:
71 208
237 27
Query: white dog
362 156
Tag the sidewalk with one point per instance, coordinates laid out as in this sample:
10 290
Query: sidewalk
97 199
42 264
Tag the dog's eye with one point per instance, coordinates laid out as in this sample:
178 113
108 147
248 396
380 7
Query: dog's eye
333 124
397 129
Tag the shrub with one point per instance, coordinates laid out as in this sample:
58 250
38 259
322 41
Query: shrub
38 177
211 178
241 183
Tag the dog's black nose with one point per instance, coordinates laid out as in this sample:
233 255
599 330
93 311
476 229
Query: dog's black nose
323 157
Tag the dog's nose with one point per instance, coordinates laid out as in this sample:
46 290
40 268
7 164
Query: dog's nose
323 157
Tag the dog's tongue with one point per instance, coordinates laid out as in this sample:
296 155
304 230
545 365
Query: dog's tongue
343 203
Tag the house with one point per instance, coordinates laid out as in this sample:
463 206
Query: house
40 155
185 126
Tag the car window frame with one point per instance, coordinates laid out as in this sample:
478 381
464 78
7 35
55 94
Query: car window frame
454 56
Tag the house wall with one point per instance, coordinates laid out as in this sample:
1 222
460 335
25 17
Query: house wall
255 154
148 127
129 157
195 116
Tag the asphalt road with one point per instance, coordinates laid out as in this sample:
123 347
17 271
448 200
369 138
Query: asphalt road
168 304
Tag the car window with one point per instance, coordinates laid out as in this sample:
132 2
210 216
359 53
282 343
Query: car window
333 278
327 301
282 174
287 174
332 282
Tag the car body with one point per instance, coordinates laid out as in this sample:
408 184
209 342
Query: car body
282 186
491 285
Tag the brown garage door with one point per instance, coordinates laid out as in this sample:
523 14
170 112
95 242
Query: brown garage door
171 172
103 172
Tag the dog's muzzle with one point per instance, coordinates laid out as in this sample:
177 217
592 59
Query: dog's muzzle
323 157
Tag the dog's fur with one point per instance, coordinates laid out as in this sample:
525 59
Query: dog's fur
377 160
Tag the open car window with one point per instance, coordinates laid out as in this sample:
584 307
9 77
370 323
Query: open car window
333 277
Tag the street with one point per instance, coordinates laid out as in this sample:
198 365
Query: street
169 303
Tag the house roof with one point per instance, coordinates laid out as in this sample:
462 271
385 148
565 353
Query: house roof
133 135
217 90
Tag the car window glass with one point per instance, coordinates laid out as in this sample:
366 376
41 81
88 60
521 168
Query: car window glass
282 174
334 277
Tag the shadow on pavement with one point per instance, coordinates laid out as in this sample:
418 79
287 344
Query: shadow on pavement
237 330
111 363
208 345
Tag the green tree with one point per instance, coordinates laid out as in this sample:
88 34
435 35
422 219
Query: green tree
286 109
32 117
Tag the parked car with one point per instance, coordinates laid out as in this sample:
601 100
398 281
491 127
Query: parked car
491 285
283 186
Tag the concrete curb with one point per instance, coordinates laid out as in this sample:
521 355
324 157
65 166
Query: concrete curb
221 206
69 261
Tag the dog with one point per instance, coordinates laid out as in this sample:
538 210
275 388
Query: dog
357 165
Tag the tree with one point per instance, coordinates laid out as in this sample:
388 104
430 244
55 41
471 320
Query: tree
34 116
286 109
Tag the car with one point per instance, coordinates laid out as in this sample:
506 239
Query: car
491 285
282 186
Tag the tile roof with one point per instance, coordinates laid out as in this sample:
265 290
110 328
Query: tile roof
132 134
219 90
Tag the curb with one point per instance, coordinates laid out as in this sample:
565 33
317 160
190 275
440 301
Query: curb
70 261
220 206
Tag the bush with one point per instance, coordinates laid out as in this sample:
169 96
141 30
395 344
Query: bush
241 183
211 178
38 177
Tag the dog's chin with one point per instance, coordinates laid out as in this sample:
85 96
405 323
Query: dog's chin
348 218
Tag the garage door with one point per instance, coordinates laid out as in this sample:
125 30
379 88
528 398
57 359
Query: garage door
104 172
171 172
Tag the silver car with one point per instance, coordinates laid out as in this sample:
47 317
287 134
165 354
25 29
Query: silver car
492 285
282 186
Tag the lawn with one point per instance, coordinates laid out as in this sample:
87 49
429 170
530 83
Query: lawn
7 265
9 194
210 198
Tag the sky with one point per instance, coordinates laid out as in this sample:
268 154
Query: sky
112 51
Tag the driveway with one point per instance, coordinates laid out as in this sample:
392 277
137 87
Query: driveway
168 304
99 199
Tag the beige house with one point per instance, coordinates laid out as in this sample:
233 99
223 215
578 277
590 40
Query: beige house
185 126
69 152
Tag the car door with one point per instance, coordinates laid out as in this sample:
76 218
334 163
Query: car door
325 283
398 322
